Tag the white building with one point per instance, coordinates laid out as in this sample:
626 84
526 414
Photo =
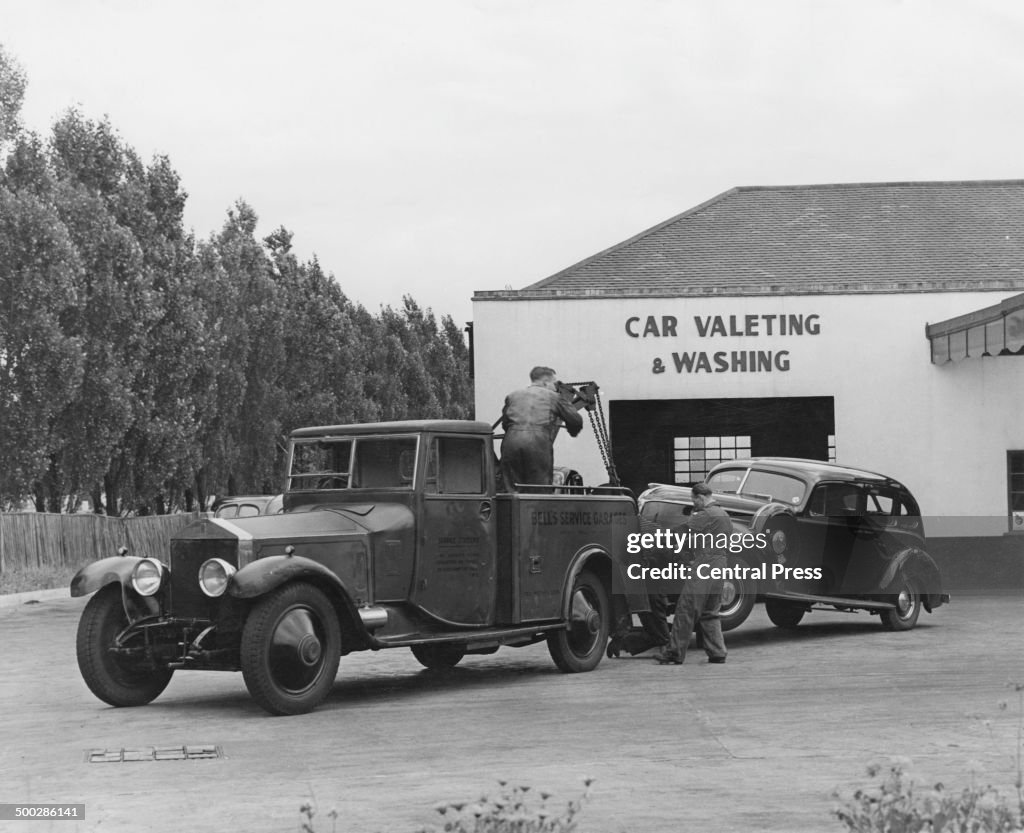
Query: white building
845 322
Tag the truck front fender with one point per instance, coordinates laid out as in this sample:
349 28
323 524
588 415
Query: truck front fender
267 574
117 568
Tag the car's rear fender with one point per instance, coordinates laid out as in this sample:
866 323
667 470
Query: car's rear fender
916 563
267 574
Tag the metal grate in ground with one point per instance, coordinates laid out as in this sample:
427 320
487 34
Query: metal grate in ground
189 752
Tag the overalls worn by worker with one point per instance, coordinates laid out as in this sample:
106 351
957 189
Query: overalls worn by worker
531 419
701 598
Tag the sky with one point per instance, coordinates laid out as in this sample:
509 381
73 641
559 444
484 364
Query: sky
439 147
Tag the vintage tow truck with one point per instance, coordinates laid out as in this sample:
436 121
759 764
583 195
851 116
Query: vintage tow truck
393 535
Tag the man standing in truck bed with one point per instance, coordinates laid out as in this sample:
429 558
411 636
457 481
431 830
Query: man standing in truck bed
531 419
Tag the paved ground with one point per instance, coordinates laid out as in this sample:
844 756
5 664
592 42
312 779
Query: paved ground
756 744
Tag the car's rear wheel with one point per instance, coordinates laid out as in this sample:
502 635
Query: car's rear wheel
446 655
738 597
784 614
117 674
581 645
907 599
291 646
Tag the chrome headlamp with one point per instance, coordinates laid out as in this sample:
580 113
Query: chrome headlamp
147 576
214 576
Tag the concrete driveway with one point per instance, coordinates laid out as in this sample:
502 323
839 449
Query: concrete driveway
756 744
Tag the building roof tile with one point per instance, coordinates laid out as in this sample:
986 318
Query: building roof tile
845 238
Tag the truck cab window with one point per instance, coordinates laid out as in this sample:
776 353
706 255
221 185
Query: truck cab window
456 466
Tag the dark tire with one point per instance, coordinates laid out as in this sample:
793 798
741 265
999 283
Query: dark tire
907 599
291 646
738 597
581 645
446 655
115 680
784 614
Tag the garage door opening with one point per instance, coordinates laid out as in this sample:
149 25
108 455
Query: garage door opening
679 440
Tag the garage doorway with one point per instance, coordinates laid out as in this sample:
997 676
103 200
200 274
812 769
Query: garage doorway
678 440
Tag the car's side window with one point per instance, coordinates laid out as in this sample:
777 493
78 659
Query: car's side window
248 510
882 503
836 500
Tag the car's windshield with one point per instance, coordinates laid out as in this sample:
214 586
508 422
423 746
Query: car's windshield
726 480
775 486
360 463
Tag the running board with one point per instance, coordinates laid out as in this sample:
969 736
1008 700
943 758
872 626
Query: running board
470 637
833 601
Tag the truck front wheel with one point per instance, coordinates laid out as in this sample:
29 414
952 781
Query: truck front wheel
119 674
581 645
291 646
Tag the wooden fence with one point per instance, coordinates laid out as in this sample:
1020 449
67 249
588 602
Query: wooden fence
36 539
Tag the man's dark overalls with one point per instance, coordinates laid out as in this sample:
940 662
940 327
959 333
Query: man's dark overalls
701 598
531 419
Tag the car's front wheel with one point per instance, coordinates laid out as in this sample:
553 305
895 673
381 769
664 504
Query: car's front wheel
291 646
581 645
907 601
738 597
119 674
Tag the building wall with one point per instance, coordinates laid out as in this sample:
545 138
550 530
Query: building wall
942 430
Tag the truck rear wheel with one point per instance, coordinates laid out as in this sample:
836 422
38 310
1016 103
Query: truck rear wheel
581 645
115 678
291 646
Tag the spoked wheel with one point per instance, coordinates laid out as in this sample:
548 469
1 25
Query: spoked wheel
291 646
908 606
784 614
738 597
582 644
118 678
439 656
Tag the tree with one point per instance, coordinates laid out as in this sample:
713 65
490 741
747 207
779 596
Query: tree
12 93
40 363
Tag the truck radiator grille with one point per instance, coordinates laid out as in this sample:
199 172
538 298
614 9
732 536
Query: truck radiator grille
187 600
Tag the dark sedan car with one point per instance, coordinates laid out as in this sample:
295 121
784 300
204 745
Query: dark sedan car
826 536
249 506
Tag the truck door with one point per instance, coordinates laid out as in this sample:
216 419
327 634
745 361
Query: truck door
455 571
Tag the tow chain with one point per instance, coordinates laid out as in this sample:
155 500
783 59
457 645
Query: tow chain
600 429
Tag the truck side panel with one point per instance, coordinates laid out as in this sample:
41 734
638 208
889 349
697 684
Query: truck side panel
548 531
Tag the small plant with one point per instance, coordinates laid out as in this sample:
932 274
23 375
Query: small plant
514 810
308 812
901 803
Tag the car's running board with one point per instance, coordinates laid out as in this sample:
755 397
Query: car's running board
834 601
